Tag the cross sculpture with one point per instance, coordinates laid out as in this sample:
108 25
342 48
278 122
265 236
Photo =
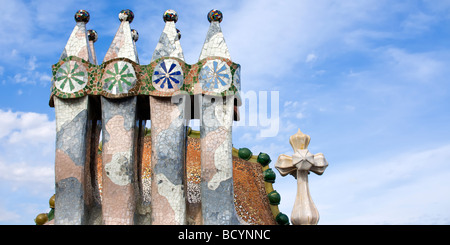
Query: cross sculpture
299 165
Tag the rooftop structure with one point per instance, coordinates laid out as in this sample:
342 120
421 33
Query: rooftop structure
168 174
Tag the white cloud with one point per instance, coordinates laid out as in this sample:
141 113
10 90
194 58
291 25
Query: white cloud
26 150
35 179
27 146
311 58
32 63
26 128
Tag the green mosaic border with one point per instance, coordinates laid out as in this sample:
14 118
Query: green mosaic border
144 85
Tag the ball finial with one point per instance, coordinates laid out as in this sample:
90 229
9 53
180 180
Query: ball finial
178 34
126 15
92 35
41 219
134 35
170 15
51 202
82 16
215 15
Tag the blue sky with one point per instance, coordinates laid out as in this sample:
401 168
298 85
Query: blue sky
367 80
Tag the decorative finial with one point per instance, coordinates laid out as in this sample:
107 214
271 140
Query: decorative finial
299 140
215 15
299 165
170 15
92 35
52 201
126 15
134 35
41 219
82 16
179 34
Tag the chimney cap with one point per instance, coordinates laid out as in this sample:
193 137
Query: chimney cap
170 15
82 16
215 15
126 15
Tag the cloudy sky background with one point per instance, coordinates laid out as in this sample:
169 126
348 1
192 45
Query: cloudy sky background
367 80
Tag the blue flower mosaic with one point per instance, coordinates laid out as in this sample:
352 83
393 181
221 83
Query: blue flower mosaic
168 75
215 76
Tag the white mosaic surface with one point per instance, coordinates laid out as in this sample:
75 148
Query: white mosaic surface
237 78
174 195
169 44
122 45
78 44
66 110
215 43
222 164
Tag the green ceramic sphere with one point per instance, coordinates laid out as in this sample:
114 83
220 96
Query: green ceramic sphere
274 198
282 219
263 159
245 153
269 175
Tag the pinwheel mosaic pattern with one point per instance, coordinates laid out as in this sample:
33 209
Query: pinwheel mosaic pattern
71 77
168 75
120 78
215 76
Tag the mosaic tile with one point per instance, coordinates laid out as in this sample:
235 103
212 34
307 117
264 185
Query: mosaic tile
82 16
134 35
169 42
123 45
126 15
118 190
100 78
237 78
215 15
71 77
215 76
92 37
214 43
120 77
170 15
203 193
168 151
70 158
168 75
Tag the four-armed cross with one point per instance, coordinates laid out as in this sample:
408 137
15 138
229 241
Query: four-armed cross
299 165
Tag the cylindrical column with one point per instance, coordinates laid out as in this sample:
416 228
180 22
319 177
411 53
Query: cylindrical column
70 160
304 211
168 134
217 193
118 173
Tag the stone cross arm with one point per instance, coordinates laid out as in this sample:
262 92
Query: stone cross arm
299 165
